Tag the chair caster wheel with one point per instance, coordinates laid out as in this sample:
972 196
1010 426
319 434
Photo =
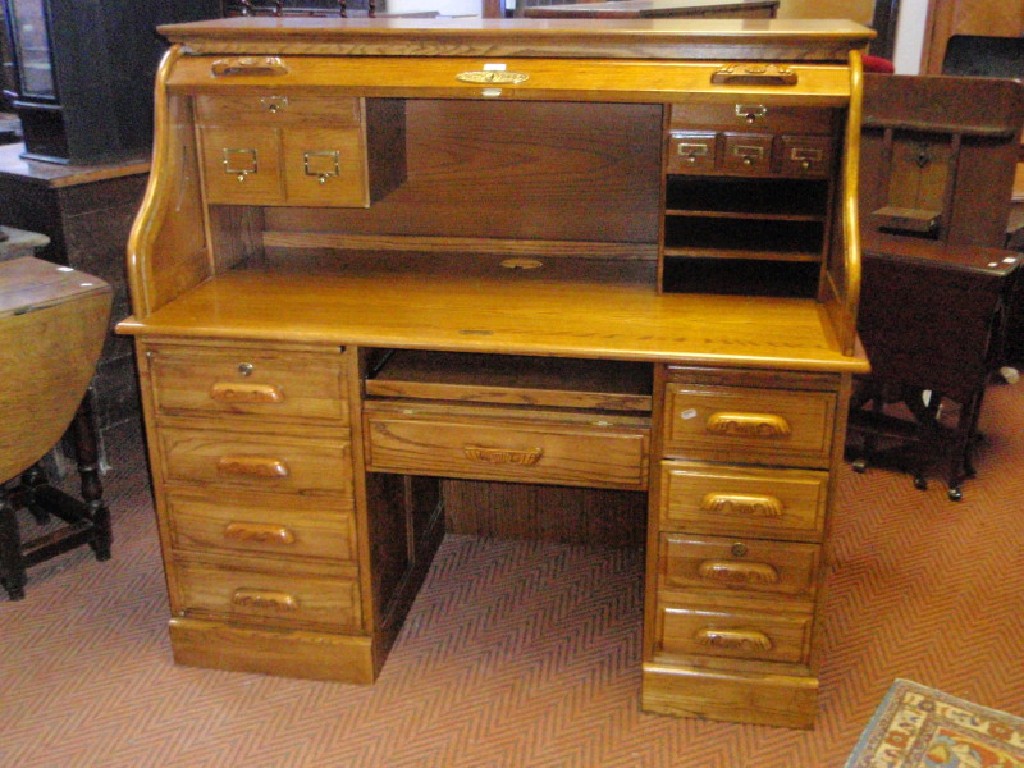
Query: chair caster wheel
955 494
860 466
921 484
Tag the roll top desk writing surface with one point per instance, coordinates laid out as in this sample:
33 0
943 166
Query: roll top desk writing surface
377 258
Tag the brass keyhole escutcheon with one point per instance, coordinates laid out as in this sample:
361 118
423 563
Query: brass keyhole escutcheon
245 369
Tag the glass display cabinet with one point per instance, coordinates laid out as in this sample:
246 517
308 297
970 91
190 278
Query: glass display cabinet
78 75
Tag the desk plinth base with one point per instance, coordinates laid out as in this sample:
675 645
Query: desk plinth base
784 700
288 653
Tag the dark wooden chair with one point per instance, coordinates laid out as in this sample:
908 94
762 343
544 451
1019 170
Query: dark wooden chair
53 321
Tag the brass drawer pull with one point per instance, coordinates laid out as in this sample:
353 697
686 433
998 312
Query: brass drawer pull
248 66
734 639
492 77
691 150
252 466
754 74
748 153
230 392
524 458
742 504
807 154
241 161
264 600
747 424
324 164
751 112
259 533
730 572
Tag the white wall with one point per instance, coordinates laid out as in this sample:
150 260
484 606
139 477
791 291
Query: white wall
910 37
444 7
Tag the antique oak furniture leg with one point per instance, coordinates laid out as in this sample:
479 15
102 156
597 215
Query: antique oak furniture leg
12 568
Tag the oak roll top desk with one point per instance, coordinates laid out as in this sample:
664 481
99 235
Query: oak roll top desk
376 257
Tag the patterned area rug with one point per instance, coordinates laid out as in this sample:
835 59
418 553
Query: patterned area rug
919 727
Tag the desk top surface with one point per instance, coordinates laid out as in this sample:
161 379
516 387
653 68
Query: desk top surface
680 39
478 306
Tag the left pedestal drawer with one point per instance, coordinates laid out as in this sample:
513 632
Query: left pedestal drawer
287 525
248 380
281 463
269 594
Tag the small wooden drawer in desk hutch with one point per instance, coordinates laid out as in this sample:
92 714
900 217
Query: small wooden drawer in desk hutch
383 273
748 187
282 148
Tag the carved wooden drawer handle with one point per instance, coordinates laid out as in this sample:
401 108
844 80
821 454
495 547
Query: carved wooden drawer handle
525 458
747 424
751 504
264 600
732 572
259 533
231 392
248 66
252 466
734 639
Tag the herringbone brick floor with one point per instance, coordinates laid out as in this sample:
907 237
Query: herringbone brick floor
519 654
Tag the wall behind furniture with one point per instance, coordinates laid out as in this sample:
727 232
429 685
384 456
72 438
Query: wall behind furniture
857 10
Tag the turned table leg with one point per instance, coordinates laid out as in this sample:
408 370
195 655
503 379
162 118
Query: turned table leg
87 451
12 568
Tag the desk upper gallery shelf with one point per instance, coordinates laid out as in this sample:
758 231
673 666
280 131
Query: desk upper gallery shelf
383 265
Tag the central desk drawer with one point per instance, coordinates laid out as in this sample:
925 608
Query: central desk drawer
244 380
256 462
533 447
271 598
749 425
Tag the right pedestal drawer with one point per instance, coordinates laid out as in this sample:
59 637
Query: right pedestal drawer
743 501
750 567
749 425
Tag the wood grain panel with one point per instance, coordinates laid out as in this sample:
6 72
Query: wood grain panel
248 381
532 447
545 513
765 426
290 525
559 162
270 599
738 565
284 464
699 631
784 503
